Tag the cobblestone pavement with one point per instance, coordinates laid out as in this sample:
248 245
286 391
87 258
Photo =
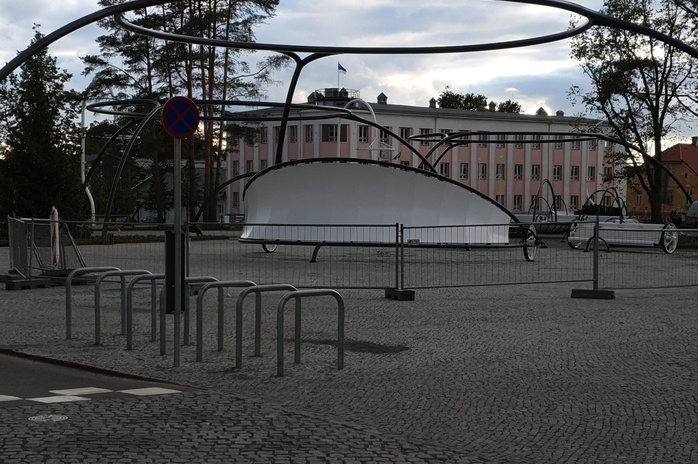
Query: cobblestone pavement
513 374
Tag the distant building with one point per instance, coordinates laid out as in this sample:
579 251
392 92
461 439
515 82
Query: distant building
682 161
509 169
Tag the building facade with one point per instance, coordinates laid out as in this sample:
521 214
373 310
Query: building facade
682 161
509 168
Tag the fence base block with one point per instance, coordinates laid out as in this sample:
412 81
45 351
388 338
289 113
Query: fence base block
400 295
28 284
593 294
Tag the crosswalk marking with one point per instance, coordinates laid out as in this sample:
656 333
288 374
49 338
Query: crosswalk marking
82 394
58 399
149 391
81 391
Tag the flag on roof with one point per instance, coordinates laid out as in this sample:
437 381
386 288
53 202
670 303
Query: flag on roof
340 68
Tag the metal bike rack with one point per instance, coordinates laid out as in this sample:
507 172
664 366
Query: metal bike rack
163 316
98 309
258 290
221 317
298 295
69 293
153 306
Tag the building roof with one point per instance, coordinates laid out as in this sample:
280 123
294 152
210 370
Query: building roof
682 152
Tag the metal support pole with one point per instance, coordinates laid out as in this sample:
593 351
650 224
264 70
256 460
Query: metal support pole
596 253
177 173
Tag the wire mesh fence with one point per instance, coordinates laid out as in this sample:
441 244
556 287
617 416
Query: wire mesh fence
377 257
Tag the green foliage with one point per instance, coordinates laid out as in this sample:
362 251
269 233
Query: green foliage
473 102
132 66
39 150
639 85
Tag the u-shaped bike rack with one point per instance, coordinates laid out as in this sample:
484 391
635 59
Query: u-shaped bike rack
69 293
98 309
298 295
153 306
221 316
258 290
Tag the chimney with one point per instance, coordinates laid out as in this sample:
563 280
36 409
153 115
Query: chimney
432 102
483 105
560 113
382 99
493 106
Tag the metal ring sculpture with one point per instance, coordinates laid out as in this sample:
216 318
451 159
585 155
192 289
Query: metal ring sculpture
592 18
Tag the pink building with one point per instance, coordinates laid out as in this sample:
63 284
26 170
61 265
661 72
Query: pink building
508 157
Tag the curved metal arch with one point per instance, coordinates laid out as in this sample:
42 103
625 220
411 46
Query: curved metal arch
59 33
335 50
120 168
220 187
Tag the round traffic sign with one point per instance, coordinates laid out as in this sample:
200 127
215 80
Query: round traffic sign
180 116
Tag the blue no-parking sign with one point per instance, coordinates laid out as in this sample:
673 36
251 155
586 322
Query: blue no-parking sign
180 116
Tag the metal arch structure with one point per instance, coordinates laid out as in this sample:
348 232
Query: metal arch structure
315 52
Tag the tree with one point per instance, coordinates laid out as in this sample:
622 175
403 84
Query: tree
640 86
39 153
509 106
140 67
473 102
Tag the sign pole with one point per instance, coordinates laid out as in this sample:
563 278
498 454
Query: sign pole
177 173
180 118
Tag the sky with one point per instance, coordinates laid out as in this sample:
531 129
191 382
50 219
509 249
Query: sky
535 76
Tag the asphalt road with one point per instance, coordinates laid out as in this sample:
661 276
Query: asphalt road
27 381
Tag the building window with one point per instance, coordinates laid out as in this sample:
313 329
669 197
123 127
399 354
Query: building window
482 138
575 145
536 138
308 133
609 145
384 135
638 198
500 171
236 168
499 199
262 135
517 202
405 163
668 197
249 166
518 171
329 132
293 132
424 132
557 172
465 139
236 199
464 170
406 132
519 141
444 169
558 141
482 171
276 134
535 171
593 144
363 134
574 173
558 201
608 172
262 165
591 174
534 202
500 140
574 202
